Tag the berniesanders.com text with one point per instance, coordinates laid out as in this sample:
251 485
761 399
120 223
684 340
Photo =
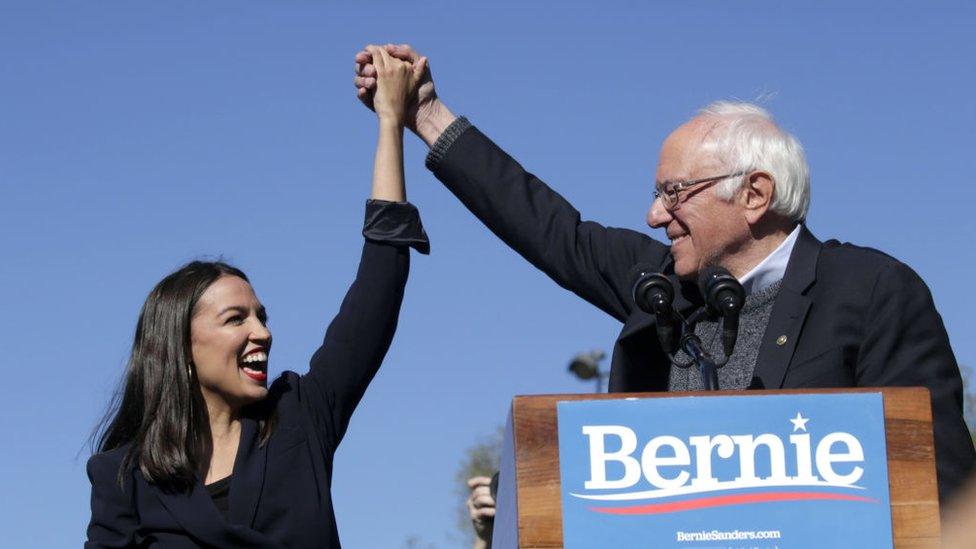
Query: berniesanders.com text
730 535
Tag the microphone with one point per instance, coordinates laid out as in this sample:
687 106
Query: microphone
654 293
724 296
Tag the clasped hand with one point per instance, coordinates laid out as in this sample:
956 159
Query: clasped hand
395 82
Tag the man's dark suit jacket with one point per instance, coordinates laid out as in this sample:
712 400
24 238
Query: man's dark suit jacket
280 493
851 316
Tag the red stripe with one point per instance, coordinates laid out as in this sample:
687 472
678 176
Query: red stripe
721 501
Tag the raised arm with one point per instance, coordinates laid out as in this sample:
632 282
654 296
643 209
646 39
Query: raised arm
397 83
359 336
585 257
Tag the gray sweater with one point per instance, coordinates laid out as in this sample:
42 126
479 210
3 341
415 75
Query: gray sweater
737 373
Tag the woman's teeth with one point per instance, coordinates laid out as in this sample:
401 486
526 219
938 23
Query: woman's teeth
255 366
255 357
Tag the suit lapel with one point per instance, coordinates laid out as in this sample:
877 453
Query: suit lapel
194 511
248 480
789 312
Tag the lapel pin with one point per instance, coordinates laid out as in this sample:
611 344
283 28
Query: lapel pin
781 340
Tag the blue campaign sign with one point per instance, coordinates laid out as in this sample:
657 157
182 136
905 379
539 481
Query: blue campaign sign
751 471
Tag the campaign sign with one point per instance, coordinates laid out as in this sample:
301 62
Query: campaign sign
758 471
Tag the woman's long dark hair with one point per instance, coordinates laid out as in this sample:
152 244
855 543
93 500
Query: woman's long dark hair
161 414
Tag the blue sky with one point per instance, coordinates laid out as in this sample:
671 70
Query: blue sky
137 136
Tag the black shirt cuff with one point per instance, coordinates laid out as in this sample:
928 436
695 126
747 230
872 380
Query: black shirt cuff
396 224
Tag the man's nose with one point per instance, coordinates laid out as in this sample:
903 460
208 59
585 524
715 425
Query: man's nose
658 216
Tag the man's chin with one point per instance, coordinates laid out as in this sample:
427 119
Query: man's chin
685 272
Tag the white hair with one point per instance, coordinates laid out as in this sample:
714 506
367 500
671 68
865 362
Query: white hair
746 138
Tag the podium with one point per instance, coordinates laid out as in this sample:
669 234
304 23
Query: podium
529 499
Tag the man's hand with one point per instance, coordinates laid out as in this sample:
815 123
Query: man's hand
481 507
425 115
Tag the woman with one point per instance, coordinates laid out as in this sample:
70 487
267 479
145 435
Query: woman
201 451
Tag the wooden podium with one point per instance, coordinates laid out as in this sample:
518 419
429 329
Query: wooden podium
529 508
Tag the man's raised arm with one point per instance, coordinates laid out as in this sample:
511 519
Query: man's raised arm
582 256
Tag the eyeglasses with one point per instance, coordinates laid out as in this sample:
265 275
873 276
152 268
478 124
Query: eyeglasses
669 194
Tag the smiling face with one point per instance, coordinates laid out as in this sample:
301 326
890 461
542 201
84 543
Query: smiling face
704 229
230 342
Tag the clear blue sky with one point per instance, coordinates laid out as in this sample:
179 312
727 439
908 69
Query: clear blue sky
137 136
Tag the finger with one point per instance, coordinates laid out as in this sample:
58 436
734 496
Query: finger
388 60
361 82
487 512
483 501
366 69
403 51
419 67
478 481
364 56
481 491
379 56
365 97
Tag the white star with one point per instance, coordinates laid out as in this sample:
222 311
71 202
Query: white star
799 422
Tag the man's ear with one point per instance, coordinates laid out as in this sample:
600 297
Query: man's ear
756 195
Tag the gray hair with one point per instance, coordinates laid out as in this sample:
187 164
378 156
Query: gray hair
746 138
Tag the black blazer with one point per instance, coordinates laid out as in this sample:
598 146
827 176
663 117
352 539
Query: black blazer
280 493
851 316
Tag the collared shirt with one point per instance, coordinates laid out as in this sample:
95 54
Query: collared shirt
771 269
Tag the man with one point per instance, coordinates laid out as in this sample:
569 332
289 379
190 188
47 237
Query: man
732 190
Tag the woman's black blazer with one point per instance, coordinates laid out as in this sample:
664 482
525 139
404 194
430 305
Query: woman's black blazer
280 492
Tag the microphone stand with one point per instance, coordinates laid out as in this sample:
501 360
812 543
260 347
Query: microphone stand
653 293
691 344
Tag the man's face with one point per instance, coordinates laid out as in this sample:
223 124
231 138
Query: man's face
703 228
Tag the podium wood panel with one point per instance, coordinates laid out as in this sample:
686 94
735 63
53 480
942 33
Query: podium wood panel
911 462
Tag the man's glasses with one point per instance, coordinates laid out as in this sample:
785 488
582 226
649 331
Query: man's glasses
669 193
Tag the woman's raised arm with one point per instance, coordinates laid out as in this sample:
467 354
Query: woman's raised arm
359 336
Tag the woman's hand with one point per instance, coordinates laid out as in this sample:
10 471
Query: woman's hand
396 83
426 115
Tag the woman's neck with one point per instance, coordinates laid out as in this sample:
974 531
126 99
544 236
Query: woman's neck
225 436
225 422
